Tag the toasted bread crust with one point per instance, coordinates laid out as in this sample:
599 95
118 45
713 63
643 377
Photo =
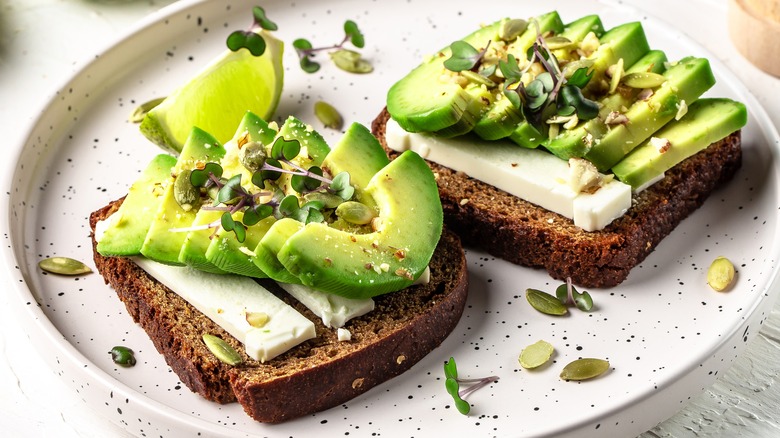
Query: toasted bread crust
526 234
317 374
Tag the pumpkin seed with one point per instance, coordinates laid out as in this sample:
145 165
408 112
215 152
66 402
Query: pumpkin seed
511 29
583 369
350 61
184 192
643 80
536 354
559 42
328 115
222 350
617 74
573 66
545 303
122 356
329 200
140 112
252 156
64 266
355 212
721 274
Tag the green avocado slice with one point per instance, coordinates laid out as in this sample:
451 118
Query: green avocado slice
707 121
128 226
388 259
686 81
160 244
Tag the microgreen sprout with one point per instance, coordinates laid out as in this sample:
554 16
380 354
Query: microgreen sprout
452 383
250 39
464 57
568 294
231 197
347 60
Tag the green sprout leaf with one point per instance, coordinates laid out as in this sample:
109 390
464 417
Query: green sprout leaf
259 178
231 191
229 224
464 57
572 96
255 214
452 384
305 183
583 300
262 20
283 149
580 77
341 186
353 33
199 177
246 40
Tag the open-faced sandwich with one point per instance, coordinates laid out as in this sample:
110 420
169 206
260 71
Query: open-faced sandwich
566 147
369 283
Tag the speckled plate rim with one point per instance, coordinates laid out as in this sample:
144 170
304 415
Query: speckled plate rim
48 335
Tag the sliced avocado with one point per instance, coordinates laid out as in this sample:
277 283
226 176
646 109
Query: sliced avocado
316 146
359 153
388 259
128 226
224 250
270 245
686 81
195 249
502 117
227 253
423 102
707 121
161 244
577 142
627 42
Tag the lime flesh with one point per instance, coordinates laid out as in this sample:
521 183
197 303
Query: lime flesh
220 94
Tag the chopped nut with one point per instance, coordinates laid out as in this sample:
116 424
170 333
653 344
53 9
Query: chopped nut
661 144
403 272
464 201
583 176
400 359
357 383
400 254
616 118
257 319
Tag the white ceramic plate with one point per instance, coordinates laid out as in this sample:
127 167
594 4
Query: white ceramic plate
666 334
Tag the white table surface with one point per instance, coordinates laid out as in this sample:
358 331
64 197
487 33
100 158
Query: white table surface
42 42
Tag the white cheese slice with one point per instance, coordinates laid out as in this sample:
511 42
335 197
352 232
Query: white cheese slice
226 299
531 174
334 310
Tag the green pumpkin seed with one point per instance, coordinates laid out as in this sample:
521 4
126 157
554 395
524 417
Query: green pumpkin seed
573 66
559 42
184 192
328 115
123 356
478 79
536 354
583 369
222 350
140 112
511 29
355 212
643 80
252 156
64 266
545 303
350 61
721 274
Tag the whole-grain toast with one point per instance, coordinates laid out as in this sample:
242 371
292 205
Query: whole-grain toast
319 373
526 234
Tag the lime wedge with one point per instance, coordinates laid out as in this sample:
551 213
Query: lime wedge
220 94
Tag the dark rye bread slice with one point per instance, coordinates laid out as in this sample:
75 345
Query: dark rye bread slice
526 234
315 375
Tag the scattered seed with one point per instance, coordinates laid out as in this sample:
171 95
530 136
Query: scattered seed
350 61
583 369
643 80
123 356
257 319
64 266
355 212
536 354
721 274
478 79
222 350
512 28
328 115
545 303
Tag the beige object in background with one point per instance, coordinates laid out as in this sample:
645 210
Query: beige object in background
754 27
